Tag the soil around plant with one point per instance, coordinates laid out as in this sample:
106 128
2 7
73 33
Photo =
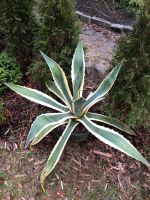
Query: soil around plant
87 170
107 10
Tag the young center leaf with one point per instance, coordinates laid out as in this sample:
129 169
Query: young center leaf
78 71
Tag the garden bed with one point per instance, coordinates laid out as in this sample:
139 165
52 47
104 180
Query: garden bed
88 170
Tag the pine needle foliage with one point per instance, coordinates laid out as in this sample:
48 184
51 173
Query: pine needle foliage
128 5
17 23
2 114
130 96
59 31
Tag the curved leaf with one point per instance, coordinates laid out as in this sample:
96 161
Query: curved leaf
86 108
113 139
105 85
45 120
37 97
57 150
78 106
59 79
78 71
44 132
110 121
77 84
53 88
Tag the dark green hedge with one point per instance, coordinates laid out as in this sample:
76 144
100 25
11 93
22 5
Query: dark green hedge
129 99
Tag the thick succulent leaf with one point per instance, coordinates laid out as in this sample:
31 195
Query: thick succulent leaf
53 88
37 97
113 139
45 120
57 150
59 79
91 93
77 84
78 106
78 71
86 108
110 121
44 132
105 85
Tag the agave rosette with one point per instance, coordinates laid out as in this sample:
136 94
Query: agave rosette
75 110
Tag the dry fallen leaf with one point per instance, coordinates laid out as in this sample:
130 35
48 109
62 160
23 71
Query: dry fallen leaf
108 155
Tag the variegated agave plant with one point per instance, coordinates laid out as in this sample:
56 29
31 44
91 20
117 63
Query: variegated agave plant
75 110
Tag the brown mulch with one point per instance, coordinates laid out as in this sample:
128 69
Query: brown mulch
91 156
82 158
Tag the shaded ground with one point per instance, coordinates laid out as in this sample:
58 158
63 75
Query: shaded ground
89 170
106 9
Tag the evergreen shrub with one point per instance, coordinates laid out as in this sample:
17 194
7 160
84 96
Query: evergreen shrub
130 95
58 34
9 71
2 116
129 5
18 25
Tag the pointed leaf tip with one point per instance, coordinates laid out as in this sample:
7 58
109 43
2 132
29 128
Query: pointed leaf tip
114 139
78 71
110 121
57 150
104 86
